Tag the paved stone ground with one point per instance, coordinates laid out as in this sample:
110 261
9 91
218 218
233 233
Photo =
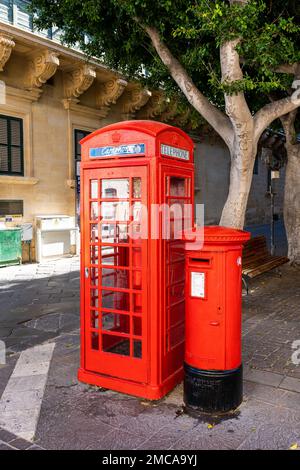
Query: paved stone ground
40 303
9 441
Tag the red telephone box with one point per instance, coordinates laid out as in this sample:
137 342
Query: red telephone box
132 274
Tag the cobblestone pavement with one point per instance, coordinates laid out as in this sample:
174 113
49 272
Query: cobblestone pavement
39 303
272 322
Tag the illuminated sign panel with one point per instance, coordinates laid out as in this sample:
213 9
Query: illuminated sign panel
169 151
117 151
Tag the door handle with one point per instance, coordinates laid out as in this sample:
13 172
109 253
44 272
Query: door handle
214 323
86 273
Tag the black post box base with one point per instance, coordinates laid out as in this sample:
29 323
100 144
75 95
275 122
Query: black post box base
211 390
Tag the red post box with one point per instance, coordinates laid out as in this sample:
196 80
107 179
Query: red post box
213 363
132 275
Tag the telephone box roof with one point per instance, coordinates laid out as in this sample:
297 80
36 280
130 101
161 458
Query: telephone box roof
153 128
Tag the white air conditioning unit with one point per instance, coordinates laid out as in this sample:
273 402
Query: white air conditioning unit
55 235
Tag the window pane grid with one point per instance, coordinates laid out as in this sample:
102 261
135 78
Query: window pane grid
115 307
178 191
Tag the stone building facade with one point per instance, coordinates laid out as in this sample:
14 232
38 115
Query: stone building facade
50 97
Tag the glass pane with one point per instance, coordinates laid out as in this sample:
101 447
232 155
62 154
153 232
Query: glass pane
137 349
115 211
94 276
136 257
176 208
177 313
115 256
177 186
176 293
116 345
137 231
94 233
176 251
94 189
115 188
94 298
115 278
176 335
137 326
136 188
137 303
137 211
94 211
94 258
176 272
94 319
116 322
176 228
137 280
115 300
95 340
114 233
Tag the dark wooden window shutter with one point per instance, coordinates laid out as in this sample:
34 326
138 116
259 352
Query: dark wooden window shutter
11 146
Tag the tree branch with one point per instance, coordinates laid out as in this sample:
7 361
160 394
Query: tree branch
237 108
288 124
279 108
242 2
236 105
211 113
266 115
287 68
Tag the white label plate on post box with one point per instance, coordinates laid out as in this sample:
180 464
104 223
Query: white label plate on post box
198 284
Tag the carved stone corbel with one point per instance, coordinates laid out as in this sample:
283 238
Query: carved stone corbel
133 100
170 113
182 119
78 81
41 67
109 93
155 106
6 46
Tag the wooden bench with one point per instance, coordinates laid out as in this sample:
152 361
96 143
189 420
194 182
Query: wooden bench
257 259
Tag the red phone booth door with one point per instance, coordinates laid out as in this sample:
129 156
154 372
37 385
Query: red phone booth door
115 257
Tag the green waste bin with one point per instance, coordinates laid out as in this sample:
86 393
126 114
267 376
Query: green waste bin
10 247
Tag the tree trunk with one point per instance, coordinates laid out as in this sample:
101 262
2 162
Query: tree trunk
239 129
243 148
291 206
292 203
241 171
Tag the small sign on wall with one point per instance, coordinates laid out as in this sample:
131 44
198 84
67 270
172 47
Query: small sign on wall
198 284
275 174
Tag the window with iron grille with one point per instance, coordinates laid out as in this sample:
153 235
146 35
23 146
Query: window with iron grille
11 146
